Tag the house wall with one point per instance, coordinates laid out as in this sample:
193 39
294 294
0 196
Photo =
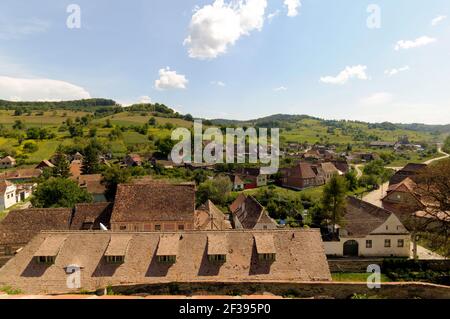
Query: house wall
377 250
151 226
391 229
298 183
261 180
7 164
8 199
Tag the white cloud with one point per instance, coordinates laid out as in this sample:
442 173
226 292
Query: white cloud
20 28
410 44
281 88
170 80
357 71
22 89
272 15
218 83
395 71
293 6
438 20
377 99
145 99
215 27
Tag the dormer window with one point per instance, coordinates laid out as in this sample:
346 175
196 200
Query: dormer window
265 248
117 249
49 249
217 248
168 249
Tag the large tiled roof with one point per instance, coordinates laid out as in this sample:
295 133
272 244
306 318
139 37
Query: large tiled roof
4 185
20 226
300 257
24 173
361 218
94 213
154 202
250 212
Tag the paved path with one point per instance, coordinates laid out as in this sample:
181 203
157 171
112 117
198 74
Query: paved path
425 254
375 196
438 158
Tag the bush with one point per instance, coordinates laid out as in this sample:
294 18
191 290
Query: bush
30 147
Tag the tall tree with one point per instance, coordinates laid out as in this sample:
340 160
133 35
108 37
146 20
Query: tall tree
91 161
112 177
62 166
59 192
333 200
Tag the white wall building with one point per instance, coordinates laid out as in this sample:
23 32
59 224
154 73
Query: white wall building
370 231
7 194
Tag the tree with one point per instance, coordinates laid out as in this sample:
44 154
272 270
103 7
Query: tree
75 130
18 125
91 164
30 147
152 121
333 200
433 187
62 166
165 146
112 177
93 132
352 180
59 192
217 190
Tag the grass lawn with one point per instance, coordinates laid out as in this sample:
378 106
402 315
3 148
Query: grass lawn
355 277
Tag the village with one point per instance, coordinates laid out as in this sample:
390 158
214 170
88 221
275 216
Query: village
229 224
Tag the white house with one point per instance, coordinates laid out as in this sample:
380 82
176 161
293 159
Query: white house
7 194
369 231
7 162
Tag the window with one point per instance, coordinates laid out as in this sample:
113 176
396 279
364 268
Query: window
387 243
180 227
400 243
157 227
368 244
167 259
48 260
387 227
123 227
217 258
266 257
115 259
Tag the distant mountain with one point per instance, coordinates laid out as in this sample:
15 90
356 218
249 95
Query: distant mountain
284 120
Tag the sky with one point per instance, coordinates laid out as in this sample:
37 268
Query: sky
377 60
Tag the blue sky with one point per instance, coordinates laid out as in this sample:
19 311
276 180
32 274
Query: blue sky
237 61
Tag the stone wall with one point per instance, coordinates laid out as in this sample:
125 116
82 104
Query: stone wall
288 289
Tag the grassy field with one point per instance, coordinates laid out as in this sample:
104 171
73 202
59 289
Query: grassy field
356 277
315 193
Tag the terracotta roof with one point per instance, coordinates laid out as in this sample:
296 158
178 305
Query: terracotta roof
94 213
361 218
4 185
168 245
51 246
410 170
237 202
45 163
24 173
407 185
217 244
303 170
264 244
154 202
329 168
92 183
300 258
75 168
19 226
209 217
414 167
118 245
250 212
